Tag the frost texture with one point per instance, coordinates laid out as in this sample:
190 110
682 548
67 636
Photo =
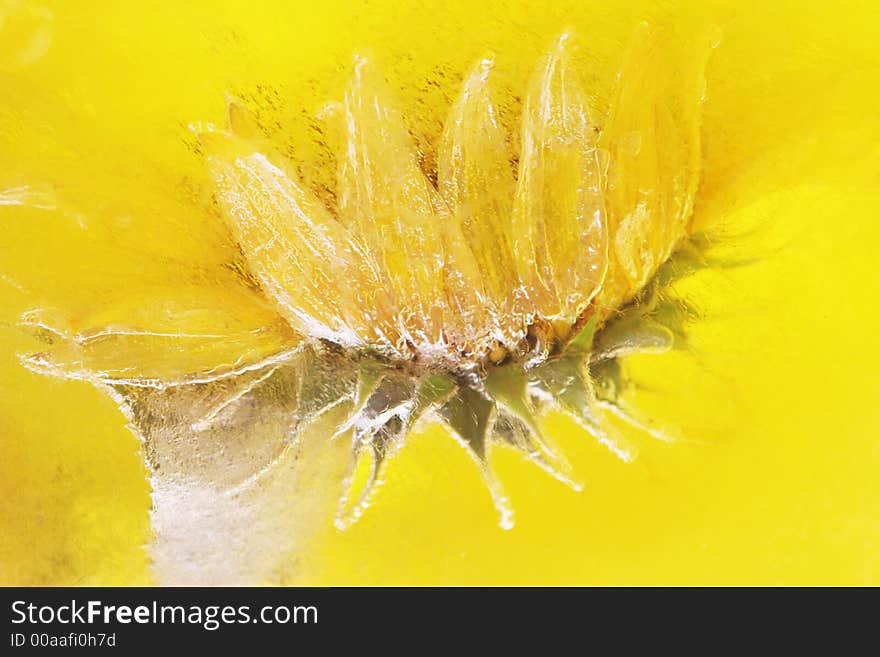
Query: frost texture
483 302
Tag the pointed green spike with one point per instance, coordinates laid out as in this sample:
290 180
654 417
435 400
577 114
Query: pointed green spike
622 411
468 412
393 390
512 432
607 379
569 384
515 433
392 405
557 375
376 387
379 424
369 374
347 485
434 389
348 512
630 335
730 246
582 343
677 314
564 379
689 258
508 386
693 255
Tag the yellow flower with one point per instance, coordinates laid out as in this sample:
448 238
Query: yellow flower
472 300
181 274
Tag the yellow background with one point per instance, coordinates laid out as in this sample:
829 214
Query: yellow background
781 485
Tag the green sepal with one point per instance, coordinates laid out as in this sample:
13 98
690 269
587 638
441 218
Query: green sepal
607 379
509 386
469 414
582 343
629 334
688 259
569 382
566 380
434 389
369 374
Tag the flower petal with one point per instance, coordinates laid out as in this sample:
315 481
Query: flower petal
306 260
403 221
652 137
560 241
476 180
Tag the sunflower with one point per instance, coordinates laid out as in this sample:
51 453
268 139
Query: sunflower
481 293
246 283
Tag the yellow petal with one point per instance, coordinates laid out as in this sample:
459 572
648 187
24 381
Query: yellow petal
476 180
403 221
303 257
560 242
652 137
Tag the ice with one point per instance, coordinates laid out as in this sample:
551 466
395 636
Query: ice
510 289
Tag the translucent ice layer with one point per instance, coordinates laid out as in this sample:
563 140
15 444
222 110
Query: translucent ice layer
503 285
